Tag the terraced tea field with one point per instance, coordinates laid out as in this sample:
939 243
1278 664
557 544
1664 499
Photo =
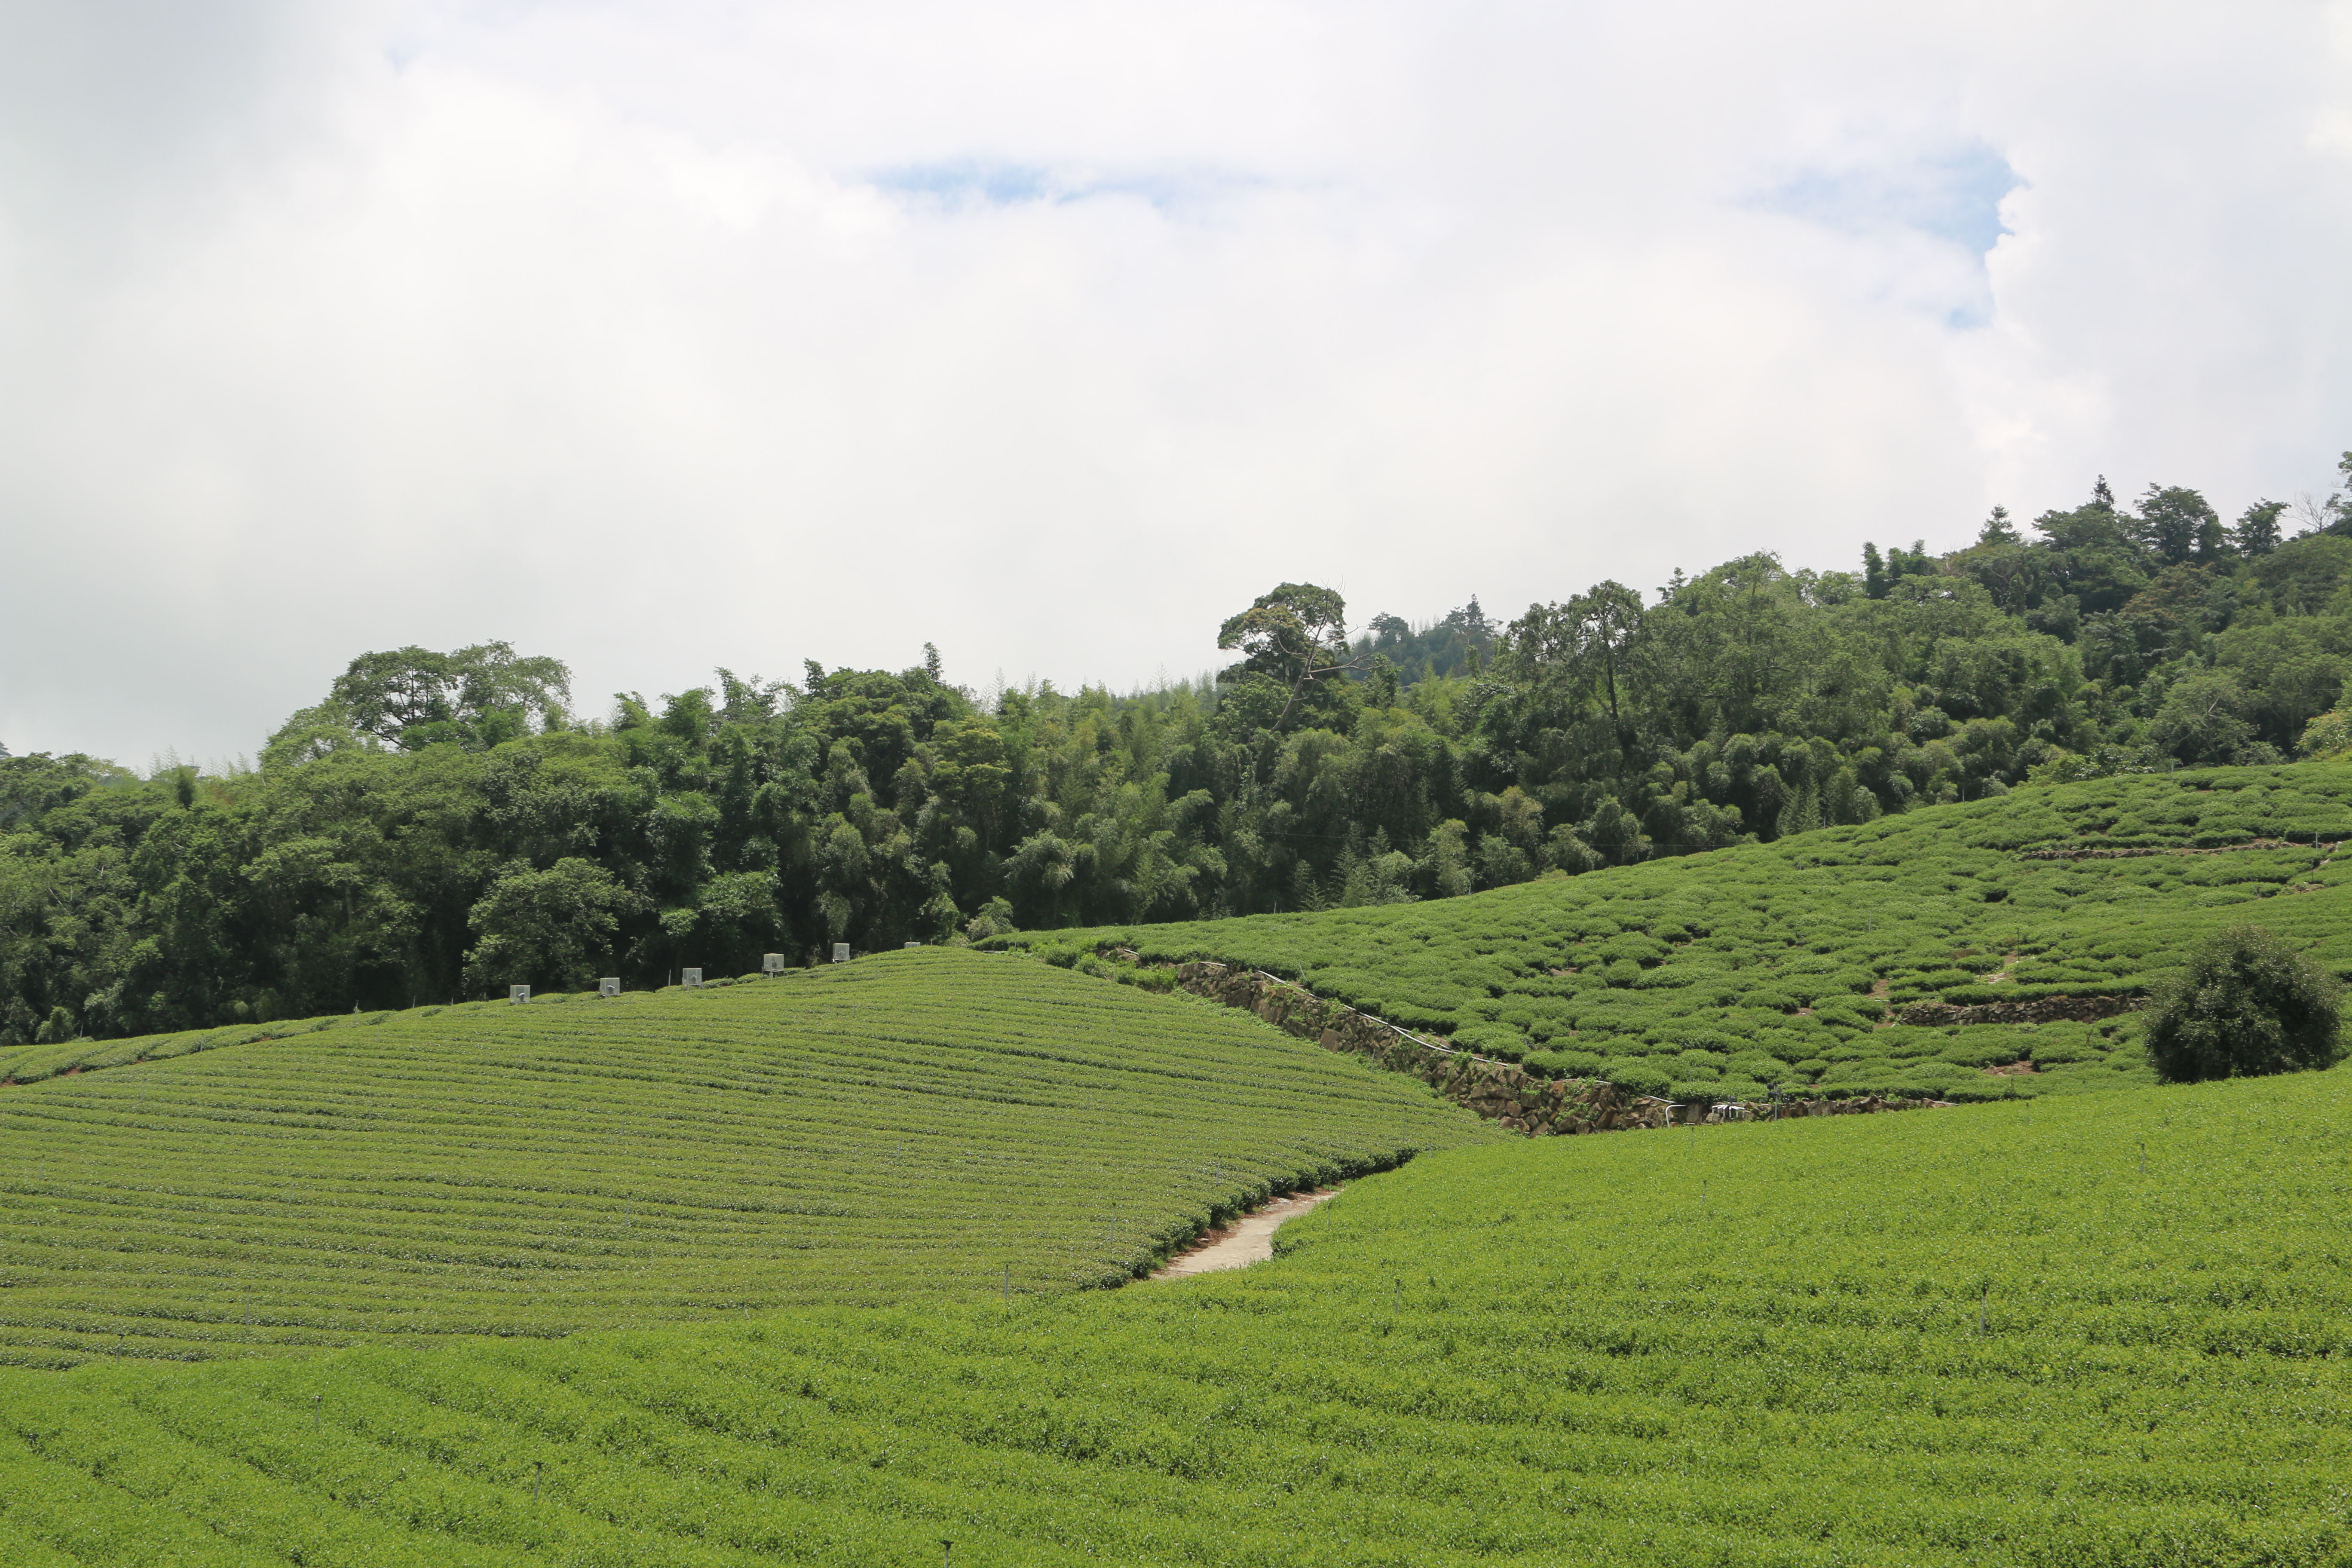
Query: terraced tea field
918 1126
1787 965
2093 1332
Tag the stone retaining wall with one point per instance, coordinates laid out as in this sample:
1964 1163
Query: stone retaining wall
2133 851
2031 1010
1502 1092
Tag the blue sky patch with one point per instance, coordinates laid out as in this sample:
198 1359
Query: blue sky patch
974 183
1955 196
963 180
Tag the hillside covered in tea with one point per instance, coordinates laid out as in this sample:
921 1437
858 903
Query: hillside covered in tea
913 1127
2101 1333
1903 956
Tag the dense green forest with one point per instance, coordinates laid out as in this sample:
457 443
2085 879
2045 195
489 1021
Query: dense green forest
443 825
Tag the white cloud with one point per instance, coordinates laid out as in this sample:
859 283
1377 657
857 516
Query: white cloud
662 337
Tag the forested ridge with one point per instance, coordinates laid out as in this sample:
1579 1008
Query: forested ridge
444 824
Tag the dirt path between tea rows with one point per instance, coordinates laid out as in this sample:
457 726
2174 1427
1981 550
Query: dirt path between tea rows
1249 1239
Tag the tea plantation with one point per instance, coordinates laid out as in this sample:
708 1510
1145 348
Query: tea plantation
793 1271
2106 1330
916 1126
1785 965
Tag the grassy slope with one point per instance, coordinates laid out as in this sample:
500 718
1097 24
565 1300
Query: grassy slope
900 1128
1723 972
1981 1336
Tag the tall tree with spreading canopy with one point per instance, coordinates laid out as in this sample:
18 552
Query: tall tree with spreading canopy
412 697
1294 636
1580 653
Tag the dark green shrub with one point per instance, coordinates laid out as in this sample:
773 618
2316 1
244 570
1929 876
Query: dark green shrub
2245 1005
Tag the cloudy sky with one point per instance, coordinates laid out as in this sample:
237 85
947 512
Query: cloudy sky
662 336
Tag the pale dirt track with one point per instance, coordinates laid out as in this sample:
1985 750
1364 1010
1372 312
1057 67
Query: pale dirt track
1249 1239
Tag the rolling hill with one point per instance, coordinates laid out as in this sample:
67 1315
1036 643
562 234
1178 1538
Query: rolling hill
794 1271
915 1126
1906 956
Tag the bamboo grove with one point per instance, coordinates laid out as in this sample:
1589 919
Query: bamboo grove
443 825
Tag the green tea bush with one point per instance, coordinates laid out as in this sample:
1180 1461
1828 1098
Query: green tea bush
1498 1040
1564 1064
1637 1075
1983 1048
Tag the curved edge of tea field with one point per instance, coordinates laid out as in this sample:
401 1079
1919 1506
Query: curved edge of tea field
916 1126
1986 1337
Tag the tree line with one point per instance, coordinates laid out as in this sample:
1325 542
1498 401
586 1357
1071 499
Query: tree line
443 825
